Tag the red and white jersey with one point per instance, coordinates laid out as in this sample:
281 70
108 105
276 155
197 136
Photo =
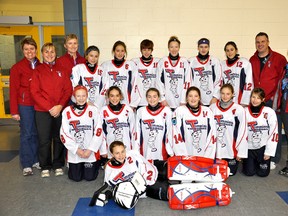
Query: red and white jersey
194 134
239 75
154 133
145 79
82 131
93 81
134 162
231 131
262 130
173 80
122 77
207 76
118 126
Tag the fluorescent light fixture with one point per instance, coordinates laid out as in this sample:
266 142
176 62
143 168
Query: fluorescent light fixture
16 20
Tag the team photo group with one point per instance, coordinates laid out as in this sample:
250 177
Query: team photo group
129 117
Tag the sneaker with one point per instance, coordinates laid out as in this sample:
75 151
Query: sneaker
272 165
284 171
36 165
45 174
59 172
27 171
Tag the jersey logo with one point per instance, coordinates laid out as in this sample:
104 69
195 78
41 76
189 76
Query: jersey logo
252 125
89 81
218 118
74 124
113 74
200 70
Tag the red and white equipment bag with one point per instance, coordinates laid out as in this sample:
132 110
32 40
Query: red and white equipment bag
199 169
198 195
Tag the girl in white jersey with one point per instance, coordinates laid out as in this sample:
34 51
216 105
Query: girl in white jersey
118 120
194 130
89 74
81 133
123 165
238 72
145 74
262 135
119 72
173 76
154 128
206 73
231 127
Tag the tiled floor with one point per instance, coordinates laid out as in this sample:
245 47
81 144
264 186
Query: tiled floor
58 195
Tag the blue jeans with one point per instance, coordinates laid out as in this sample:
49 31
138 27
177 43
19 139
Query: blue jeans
28 151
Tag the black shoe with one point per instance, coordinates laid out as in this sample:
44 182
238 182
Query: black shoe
284 171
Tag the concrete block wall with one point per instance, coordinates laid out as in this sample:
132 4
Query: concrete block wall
219 20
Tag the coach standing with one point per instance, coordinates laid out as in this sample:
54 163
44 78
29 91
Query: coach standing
268 69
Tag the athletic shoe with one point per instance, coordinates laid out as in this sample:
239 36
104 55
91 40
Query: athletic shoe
59 172
272 165
45 174
27 171
36 165
284 171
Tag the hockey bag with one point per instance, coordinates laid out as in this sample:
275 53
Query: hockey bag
199 195
126 194
199 169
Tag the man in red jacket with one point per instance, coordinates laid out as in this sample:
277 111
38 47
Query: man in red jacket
268 70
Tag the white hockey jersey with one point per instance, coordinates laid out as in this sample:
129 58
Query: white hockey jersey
153 133
262 130
145 78
207 76
93 81
134 162
194 134
231 131
118 126
239 75
173 80
82 131
122 77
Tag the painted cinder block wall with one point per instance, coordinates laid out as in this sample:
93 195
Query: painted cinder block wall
219 20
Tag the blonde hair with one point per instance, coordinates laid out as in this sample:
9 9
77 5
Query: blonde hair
69 37
48 45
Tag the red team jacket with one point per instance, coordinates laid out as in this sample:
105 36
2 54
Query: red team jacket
20 78
271 74
67 61
50 86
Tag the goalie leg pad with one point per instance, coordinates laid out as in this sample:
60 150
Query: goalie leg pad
198 195
158 191
195 168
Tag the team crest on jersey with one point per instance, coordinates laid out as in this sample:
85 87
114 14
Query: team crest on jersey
257 133
196 131
121 177
203 79
147 78
118 128
153 132
231 77
117 80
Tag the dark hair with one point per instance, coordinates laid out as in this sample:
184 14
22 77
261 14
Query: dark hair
262 34
114 144
203 41
174 38
259 91
91 48
146 44
153 89
231 43
114 88
119 43
193 88
227 85
29 41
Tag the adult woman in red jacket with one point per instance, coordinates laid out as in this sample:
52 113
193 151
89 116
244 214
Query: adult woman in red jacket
51 90
21 105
